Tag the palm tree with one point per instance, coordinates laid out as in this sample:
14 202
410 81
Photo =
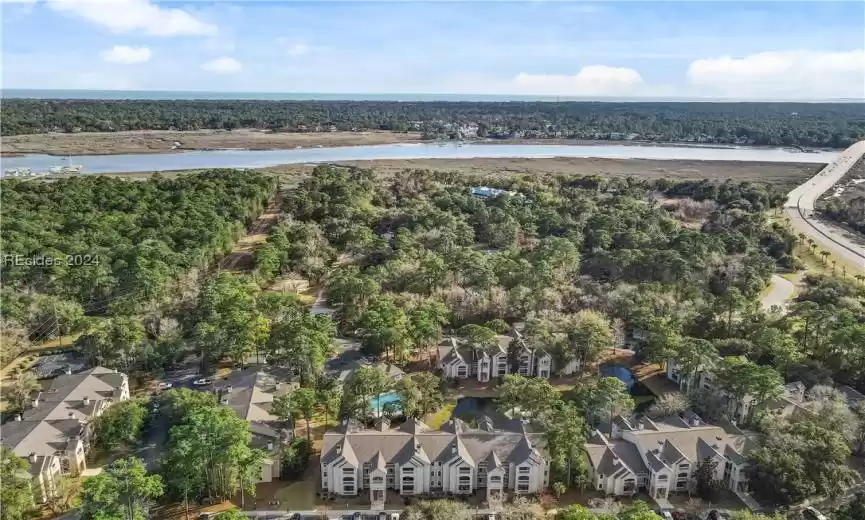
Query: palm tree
802 237
860 278
834 263
824 254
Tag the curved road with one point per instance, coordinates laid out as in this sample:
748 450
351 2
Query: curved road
800 208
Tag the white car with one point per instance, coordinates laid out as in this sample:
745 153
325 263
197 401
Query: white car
163 385
809 513
202 382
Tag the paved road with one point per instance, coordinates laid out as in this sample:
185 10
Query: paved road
780 291
800 208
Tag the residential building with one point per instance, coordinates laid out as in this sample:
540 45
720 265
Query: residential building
791 401
54 433
464 361
662 456
250 393
468 130
511 354
414 459
343 372
738 410
538 362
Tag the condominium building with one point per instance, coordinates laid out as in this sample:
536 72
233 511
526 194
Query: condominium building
250 393
461 360
54 433
416 460
662 456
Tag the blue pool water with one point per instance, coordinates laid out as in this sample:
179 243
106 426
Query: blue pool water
377 403
619 372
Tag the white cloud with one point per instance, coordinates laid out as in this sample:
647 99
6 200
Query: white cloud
298 49
126 55
592 80
223 65
122 16
782 75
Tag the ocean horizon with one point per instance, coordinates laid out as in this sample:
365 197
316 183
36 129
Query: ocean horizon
11 93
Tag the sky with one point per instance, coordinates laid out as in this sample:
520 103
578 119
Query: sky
737 50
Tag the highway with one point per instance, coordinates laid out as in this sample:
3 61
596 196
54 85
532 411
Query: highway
841 243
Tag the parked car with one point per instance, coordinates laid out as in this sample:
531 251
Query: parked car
666 515
202 382
809 513
164 386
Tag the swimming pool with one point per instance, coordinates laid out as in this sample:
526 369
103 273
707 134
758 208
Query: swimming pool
378 402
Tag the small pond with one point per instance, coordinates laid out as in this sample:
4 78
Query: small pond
620 372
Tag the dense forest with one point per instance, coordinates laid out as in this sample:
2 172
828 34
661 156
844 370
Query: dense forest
103 245
677 268
672 269
834 125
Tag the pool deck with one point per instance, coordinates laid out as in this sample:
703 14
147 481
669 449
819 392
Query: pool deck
654 378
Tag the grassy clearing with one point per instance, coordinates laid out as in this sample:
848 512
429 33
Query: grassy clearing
814 263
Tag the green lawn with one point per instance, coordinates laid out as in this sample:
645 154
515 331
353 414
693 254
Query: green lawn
297 495
436 419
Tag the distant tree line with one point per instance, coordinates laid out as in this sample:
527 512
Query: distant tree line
834 125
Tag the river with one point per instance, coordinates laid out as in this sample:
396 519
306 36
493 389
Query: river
262 158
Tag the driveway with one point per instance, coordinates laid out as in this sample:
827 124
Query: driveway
154 439
779 294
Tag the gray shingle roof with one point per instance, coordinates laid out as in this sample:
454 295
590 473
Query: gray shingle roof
250 393
663 443
414 439
45 429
